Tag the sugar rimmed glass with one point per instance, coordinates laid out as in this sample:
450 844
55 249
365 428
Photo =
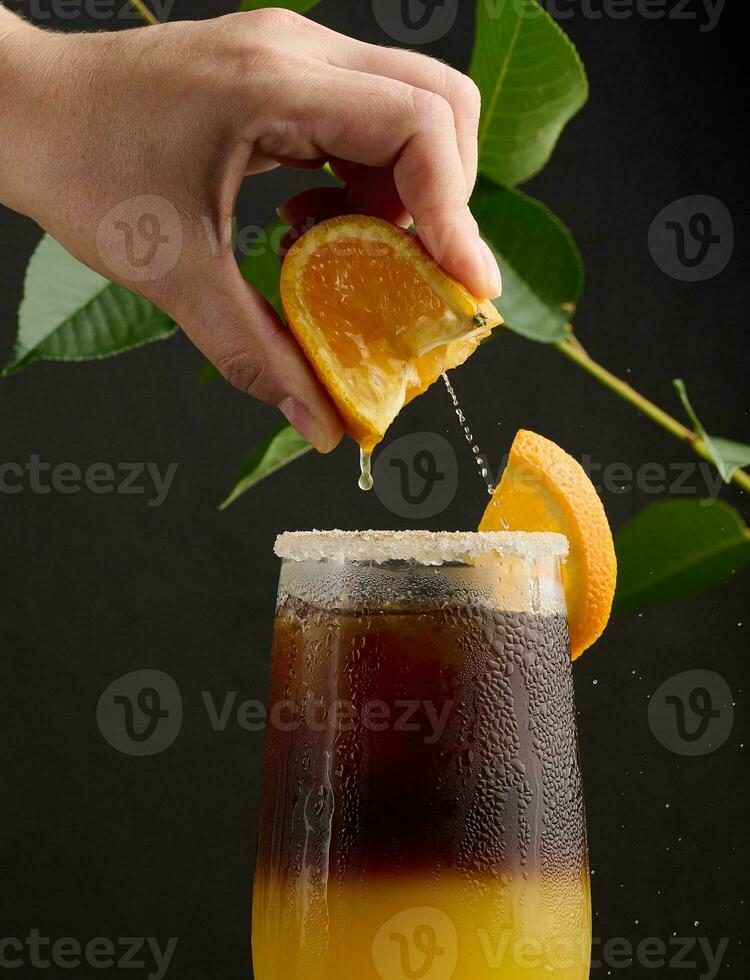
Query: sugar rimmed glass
422 812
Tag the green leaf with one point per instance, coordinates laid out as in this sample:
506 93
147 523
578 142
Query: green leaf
541 266
532 82
298 6
736 455
284 446
677 548
726 454
261 267
208 373
69 313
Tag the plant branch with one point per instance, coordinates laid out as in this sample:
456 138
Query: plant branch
573 350
143 10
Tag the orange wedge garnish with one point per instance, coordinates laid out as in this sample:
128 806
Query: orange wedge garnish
377 317
545 489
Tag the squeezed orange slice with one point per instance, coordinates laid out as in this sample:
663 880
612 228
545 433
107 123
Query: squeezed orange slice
377 317
545 489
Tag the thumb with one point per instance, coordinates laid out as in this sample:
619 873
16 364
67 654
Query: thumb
240 333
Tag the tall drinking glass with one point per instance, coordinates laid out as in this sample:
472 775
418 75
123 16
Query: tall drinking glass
422 814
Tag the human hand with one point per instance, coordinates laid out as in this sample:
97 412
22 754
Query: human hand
100 128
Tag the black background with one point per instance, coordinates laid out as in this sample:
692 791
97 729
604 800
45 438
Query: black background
96 843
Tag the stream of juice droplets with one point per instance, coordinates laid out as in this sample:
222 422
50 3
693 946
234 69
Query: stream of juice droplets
365 457
479 458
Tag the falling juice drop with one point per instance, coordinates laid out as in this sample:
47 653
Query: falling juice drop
479 458
365 473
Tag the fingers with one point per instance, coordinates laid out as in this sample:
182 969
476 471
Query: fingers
416 70
381 122
421 72
392 110
242 336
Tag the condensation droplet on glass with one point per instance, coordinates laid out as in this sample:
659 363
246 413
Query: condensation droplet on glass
536 597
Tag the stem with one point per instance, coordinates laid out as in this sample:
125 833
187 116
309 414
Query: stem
143 10
572 349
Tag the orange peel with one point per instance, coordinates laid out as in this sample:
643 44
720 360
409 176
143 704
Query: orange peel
545 489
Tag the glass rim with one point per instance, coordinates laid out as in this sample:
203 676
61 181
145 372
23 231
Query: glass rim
421 547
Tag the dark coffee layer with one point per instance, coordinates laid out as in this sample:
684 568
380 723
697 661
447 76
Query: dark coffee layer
413 741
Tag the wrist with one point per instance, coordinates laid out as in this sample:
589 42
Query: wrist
26 73
7 19
10 26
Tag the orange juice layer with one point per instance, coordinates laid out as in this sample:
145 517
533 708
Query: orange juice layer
430 927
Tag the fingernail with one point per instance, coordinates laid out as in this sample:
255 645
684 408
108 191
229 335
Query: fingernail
299 416
494 277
